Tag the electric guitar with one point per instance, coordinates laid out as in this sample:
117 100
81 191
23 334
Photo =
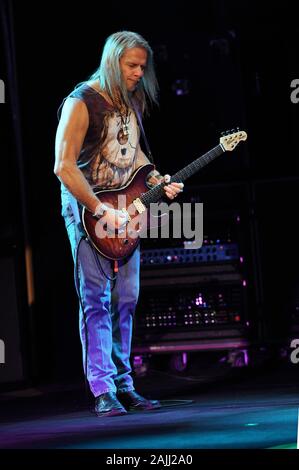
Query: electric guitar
135 198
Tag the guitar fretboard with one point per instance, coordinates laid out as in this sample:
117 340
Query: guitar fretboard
156 193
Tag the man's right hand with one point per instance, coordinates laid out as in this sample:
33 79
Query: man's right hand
115 219
111 218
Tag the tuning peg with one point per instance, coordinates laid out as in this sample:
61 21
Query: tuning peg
223 133
233 131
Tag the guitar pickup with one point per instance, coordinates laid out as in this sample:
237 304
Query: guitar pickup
139 206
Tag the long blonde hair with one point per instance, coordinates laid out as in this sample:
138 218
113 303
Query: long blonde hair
109 72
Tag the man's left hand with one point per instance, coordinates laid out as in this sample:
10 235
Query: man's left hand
172 189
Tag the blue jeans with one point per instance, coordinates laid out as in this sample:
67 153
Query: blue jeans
109 309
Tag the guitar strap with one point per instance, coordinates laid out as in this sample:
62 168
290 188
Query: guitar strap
149 153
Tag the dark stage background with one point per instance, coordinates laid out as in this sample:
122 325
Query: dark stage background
234 62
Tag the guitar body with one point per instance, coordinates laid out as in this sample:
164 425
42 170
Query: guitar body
116 246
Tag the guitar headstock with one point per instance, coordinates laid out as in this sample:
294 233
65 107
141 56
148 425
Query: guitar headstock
232 138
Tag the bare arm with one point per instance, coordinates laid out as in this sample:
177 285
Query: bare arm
70 135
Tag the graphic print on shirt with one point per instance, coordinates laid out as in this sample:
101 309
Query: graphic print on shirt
113 165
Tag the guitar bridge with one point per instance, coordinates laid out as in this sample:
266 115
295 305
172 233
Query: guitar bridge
140 207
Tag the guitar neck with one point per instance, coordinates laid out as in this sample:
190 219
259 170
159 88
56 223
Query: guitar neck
156 193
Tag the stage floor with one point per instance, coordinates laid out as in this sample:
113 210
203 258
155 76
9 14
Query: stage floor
250 409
